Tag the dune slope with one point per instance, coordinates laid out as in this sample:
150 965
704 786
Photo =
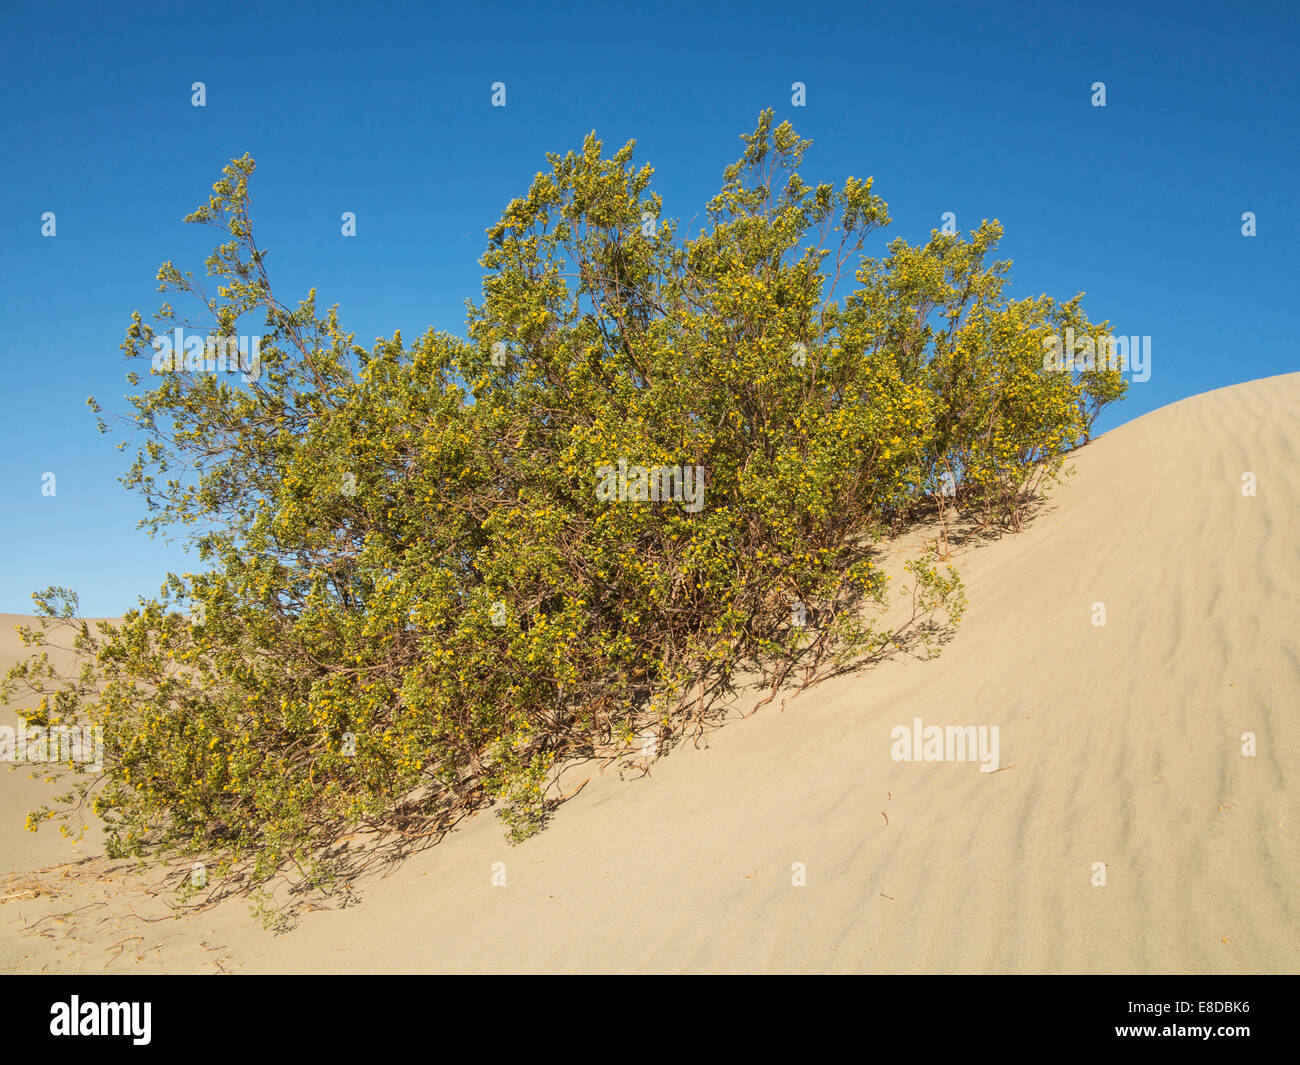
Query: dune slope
1119 744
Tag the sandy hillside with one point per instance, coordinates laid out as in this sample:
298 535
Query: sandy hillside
1119 745
22 787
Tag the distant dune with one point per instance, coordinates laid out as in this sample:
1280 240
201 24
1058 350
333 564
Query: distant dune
19 791
1118 744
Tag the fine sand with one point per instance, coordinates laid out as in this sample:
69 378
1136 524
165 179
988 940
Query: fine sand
1119 744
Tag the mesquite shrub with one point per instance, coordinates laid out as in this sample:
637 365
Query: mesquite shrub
433 571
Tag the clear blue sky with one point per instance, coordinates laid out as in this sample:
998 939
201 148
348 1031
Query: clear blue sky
384 109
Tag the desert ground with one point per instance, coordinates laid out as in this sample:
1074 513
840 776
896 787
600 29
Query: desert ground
1120 749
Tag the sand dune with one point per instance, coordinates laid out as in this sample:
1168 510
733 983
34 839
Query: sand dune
1119 744
22 787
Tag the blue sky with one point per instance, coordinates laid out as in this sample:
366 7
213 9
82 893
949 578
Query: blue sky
983 110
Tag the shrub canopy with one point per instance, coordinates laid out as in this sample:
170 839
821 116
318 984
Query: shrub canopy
415 590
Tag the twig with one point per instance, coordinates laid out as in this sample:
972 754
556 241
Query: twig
571 794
